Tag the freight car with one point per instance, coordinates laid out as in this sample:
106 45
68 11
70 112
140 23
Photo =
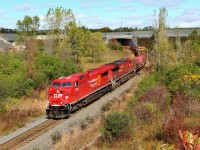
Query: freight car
67 94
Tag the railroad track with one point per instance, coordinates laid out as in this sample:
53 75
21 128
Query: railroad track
30 135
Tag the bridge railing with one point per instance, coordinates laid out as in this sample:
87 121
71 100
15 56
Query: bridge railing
116 33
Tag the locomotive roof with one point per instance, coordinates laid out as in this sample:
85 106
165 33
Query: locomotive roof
121 60
69 78
101 69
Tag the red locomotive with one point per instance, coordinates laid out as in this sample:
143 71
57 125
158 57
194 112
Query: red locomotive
67 94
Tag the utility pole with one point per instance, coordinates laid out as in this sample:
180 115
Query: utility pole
121 24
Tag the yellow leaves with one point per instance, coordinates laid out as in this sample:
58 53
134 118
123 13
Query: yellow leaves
163 146
191 78
189 140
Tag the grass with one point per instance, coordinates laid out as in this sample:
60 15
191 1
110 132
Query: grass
79 137
19 111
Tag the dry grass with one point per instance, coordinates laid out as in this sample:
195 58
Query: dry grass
79 137
19 112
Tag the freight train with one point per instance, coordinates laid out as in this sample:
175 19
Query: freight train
68 94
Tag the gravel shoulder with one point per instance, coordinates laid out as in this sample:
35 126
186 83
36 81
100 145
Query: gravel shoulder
45 141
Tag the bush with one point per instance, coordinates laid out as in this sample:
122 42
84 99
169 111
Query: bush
157 95
146 112
115 46
116 125
171 129
50 67
180 104
197 131
146 84
185 79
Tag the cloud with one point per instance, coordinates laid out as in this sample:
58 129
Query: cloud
86 5
175 4
188 18
8 18
25 7
188 24
2 11
94 1
96 21
101 4
189 15
81 16
137 21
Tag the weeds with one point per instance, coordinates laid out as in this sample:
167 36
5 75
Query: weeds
170 130
116 125
56 137
83 125
106 107
78 137
18 112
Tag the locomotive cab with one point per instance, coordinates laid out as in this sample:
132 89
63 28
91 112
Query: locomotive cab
59 97
64 93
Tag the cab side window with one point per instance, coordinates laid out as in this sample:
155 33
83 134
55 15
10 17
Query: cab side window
76 84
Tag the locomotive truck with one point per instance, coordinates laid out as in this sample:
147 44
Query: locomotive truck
67 94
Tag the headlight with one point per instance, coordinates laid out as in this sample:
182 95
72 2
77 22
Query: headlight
66 96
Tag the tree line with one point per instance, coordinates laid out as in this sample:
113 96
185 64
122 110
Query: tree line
40 61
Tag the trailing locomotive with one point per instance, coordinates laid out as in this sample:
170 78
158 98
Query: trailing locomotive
67 94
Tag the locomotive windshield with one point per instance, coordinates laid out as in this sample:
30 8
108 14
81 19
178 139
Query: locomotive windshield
56 84
66 84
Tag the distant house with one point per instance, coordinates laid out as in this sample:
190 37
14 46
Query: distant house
7 41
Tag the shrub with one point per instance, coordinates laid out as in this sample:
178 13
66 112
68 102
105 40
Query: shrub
171 129
185 79
180 104
146 84
56 137
158 95
117 124
115 46
197 131
146 112
106 107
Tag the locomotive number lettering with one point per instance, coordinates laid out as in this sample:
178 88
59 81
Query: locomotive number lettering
93 85
57 95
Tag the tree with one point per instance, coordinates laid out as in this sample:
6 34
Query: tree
104 29
27 29
35 24
195 47
28 26
58 21
97 46
164 52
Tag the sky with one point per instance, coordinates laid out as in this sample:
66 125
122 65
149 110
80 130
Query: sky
105 13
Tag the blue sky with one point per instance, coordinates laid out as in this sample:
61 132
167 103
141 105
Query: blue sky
105 13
